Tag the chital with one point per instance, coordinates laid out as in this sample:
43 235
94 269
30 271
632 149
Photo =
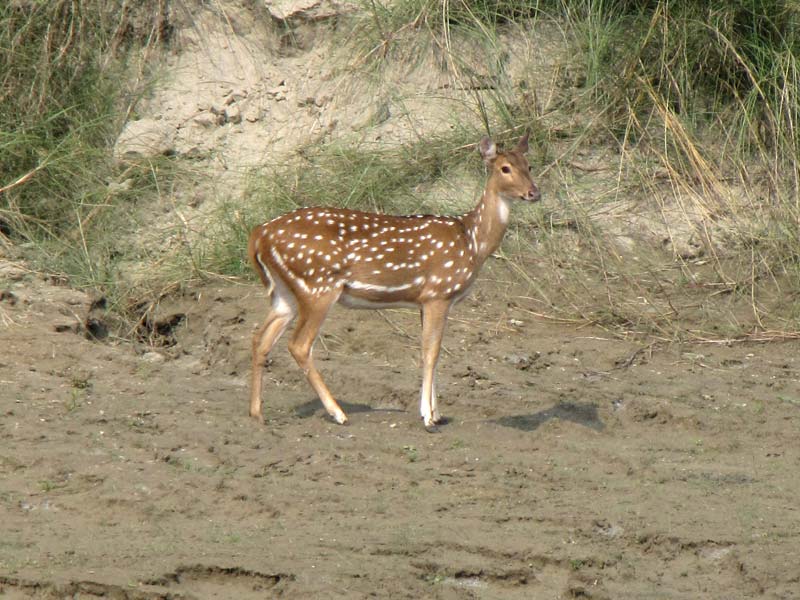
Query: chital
311 258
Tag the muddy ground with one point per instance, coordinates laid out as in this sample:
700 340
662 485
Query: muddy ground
573 464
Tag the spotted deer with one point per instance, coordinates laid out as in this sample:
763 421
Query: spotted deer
311 258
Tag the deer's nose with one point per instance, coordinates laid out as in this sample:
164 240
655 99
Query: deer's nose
533 195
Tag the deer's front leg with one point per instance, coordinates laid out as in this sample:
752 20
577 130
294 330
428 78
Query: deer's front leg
434 318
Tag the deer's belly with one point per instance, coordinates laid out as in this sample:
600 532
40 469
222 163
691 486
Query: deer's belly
358 294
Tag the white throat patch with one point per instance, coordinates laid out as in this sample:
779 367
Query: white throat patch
502 211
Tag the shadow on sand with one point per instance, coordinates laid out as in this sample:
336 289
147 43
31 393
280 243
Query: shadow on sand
583 414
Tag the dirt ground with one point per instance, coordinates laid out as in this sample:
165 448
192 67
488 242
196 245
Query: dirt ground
573 464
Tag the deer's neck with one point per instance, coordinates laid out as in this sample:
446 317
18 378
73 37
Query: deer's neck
486 224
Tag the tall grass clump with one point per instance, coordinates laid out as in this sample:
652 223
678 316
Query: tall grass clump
62 103
701 61
708 94
410 29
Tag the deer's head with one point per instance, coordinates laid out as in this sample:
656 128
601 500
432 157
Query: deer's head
509 171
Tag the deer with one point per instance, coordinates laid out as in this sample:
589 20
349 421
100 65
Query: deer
313 257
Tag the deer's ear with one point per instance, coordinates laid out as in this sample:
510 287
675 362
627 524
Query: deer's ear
522 146
488 149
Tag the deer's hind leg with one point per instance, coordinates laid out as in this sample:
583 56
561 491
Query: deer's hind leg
280 315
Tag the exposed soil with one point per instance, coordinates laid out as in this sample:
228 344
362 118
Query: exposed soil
573 464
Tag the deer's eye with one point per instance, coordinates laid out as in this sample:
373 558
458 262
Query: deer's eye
505 169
